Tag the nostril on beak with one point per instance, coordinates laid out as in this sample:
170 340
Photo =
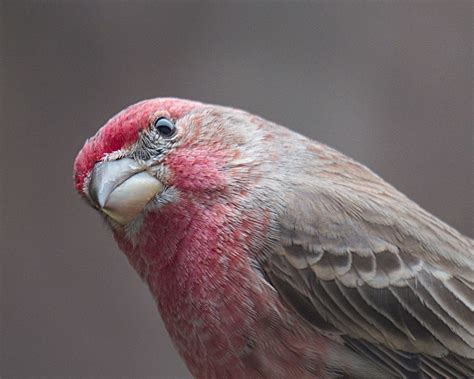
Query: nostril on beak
93 189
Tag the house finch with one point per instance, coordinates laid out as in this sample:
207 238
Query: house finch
271 255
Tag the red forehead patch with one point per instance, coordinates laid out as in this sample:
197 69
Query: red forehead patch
122 130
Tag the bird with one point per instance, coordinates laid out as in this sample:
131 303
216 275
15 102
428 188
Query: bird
271 255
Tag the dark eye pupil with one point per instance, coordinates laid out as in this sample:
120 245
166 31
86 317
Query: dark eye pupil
165 127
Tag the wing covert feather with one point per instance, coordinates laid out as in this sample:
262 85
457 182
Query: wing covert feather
372 266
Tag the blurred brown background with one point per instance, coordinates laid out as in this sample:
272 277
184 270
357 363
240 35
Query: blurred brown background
388 83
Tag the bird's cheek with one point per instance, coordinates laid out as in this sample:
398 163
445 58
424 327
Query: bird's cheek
197 171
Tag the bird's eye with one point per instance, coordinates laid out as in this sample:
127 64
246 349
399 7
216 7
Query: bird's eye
165 127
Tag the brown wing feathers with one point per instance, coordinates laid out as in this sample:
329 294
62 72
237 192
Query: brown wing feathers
378 293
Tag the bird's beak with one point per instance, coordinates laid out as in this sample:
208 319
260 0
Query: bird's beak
122 188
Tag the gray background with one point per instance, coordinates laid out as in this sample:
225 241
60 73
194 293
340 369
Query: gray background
388 83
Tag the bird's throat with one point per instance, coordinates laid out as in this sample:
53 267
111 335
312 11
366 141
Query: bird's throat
196 263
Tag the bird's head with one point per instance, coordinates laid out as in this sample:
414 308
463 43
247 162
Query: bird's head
158 151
